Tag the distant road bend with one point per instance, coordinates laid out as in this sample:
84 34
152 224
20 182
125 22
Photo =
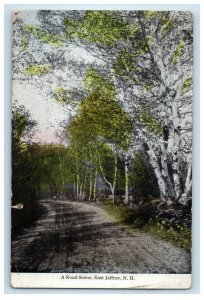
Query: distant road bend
82 238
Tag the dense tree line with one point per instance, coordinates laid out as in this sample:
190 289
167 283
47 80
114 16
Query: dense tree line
90 167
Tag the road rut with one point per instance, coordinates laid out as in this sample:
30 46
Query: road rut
82 238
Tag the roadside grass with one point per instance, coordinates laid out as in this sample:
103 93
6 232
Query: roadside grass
178 235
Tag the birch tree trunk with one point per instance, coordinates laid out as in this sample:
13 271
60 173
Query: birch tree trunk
155 165
83 192
176 150
94 187
111 185
80 191
126 181
77 186
165 172
90 186
74 188
189 176
115 175
188 187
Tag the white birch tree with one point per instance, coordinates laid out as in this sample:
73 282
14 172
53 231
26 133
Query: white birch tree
148 54
151 61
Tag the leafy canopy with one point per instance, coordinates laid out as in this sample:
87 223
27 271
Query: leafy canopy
43 35
178 51
96 27
96 83
187 82
37 69
99 115
150 123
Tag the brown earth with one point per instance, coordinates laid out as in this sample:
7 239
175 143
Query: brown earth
82 238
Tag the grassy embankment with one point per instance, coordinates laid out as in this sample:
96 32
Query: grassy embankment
178 235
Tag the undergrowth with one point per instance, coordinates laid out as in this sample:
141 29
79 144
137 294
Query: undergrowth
178 234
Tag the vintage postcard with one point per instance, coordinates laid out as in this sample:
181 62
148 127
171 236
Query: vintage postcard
101 149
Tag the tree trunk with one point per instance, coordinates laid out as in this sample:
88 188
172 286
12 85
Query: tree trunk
126 182
94 187
188 176
185 197
77 186
176 135
60 165
90 186
84 185
155 165
74 189
112 186
165 172
80 191
188 187
115 175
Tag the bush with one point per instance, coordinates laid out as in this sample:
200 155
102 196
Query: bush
145 219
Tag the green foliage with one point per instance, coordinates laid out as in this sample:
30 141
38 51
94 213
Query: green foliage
94 129
88 147
108 120
167 25
22 171
162 17
133 221
132 31
24 42
60 95
36 167
99 128
37 70
127 65
22 126
107 159
20 122
122 214
99 115
150 123
152 14
179 235
187 83
96 27
64 96
142 180
95 82
56 167
124 63
43 35
104 28
178 51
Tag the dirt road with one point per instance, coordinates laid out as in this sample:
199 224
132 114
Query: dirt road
79 237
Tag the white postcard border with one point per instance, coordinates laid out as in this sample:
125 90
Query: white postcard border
102 280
